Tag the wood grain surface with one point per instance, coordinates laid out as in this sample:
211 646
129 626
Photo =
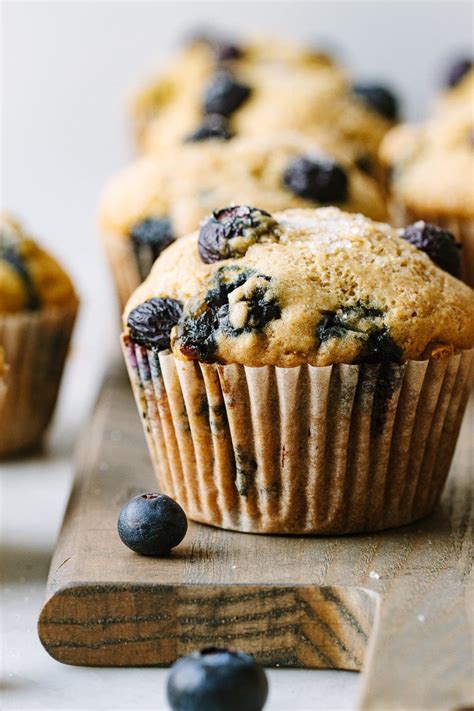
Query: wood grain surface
397 605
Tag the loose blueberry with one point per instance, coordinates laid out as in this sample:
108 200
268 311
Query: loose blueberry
458 70
225 94
378 98
150 323
320 180
440 245
149 238
152 524
213 126
230 232
217 680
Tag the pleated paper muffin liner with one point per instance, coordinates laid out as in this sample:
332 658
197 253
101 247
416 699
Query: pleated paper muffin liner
330 450
36 345
462 229
124 264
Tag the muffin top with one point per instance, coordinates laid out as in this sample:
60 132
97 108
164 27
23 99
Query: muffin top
280 171
458 96
30 279
255 89
302 286
432 165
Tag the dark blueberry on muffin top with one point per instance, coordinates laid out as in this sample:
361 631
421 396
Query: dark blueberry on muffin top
231 231
225 94
378 98
213 126
458 70
149 238
440 245
318 179
227 51
150 323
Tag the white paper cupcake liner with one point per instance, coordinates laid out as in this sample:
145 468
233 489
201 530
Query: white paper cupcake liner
330 450
36 345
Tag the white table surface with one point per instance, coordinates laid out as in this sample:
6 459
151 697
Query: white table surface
33 496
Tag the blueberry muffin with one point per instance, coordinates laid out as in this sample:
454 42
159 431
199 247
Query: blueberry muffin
301 372
38 306
458 95
3 376
430 177
154 201
220 90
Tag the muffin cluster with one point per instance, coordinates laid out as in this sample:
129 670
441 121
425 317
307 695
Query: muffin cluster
267 122
153 202
216 88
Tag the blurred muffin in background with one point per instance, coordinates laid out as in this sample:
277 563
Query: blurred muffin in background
430 169
458 94
255 88
155 201
300 372
38 307
3 376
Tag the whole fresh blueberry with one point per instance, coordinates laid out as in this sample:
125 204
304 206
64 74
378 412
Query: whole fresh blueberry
318 179
458 70
150 323
230 232
378 98
217 680
213 126
440 245
152 524
224 94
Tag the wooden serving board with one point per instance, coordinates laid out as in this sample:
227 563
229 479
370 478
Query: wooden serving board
396 605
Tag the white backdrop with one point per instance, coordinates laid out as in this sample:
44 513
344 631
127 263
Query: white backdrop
67 67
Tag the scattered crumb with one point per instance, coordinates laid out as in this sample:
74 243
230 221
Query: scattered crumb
374 575
233 567
420 618
429 542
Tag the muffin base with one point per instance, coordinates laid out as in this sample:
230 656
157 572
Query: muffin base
36 345
306 450
123 265
462 229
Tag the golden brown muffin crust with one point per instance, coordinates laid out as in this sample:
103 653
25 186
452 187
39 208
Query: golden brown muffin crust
332 287
29 277
188 184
